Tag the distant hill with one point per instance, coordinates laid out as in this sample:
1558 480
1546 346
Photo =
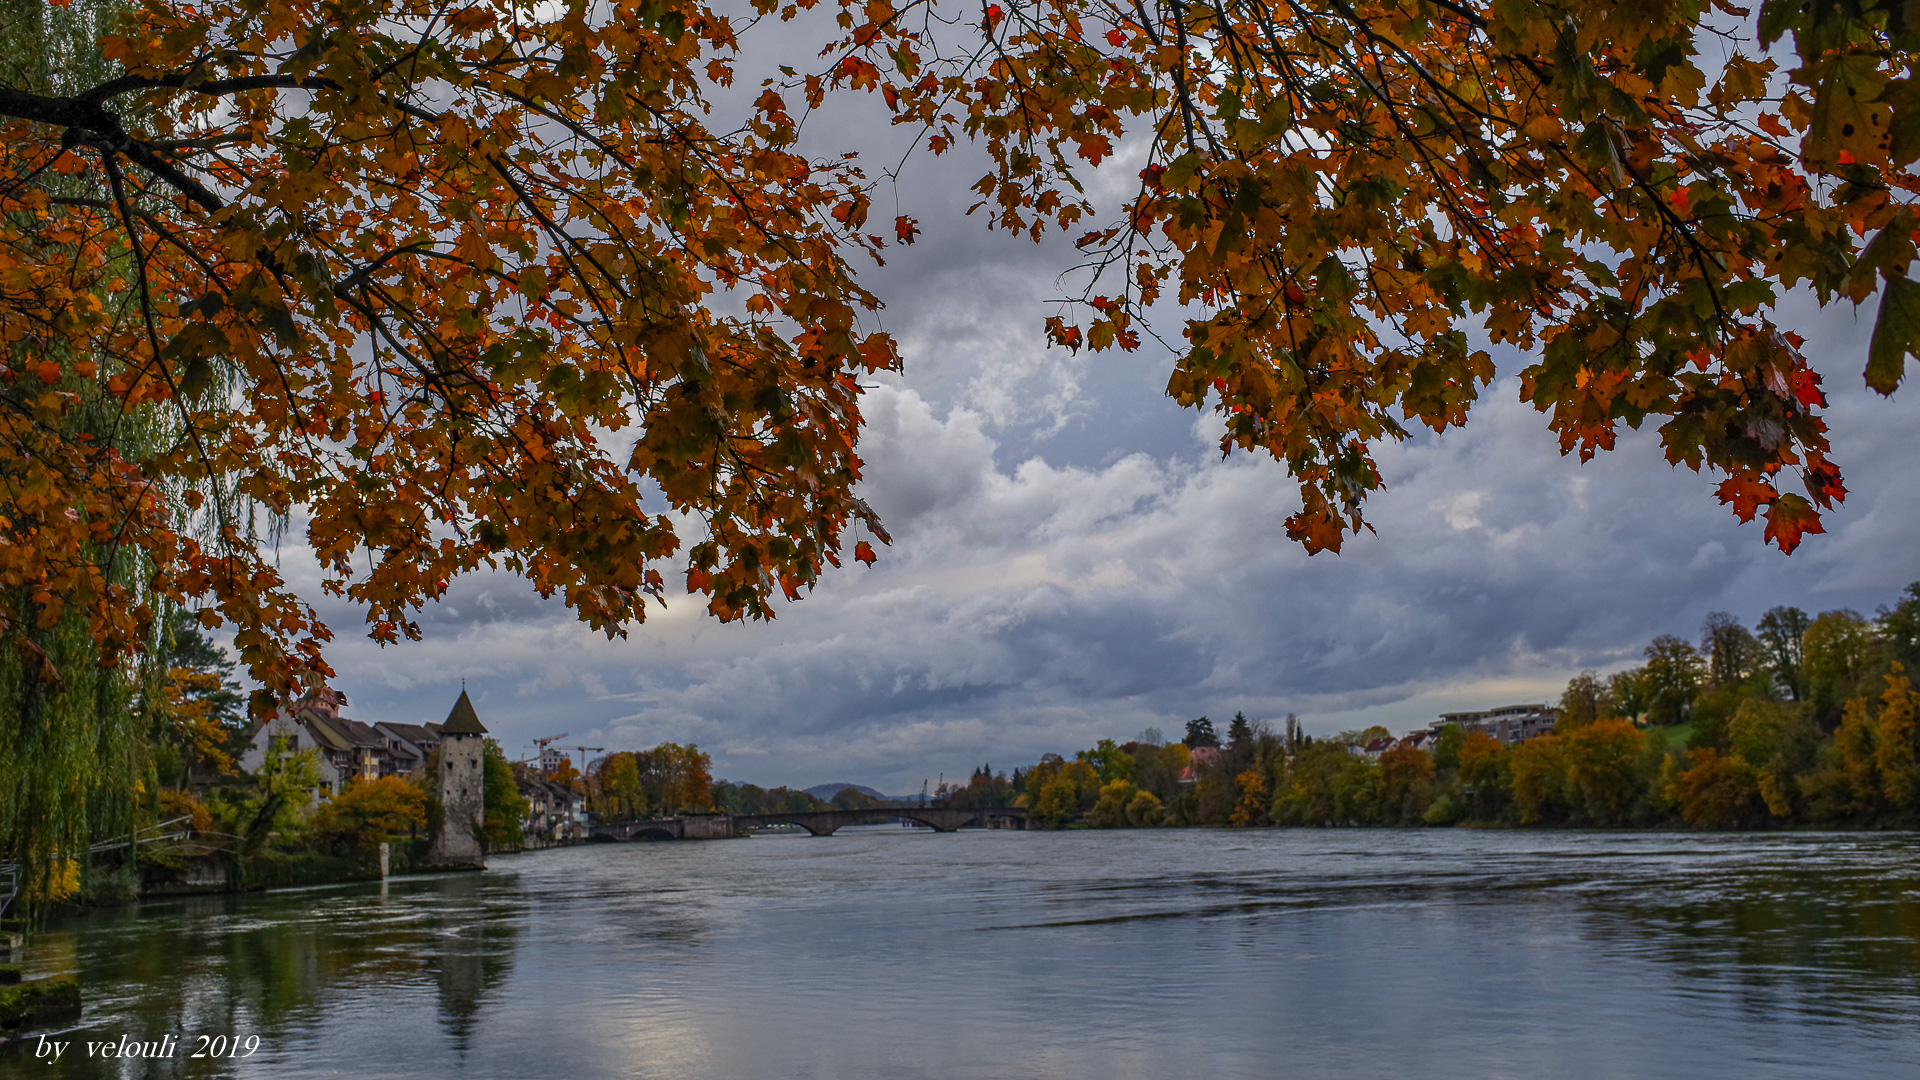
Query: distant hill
828 791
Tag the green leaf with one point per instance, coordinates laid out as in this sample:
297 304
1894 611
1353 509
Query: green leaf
1656 58
1848 115
1904 96
1896 333
1597 149
1180 170
1777 17
1887 255
195 375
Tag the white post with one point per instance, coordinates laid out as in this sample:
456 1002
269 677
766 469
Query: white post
383 860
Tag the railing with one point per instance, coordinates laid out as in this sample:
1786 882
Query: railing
146 834
139 836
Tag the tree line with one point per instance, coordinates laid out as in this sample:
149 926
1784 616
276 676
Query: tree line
666 780
1798 721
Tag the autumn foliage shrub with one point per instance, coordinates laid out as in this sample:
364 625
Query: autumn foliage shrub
1110 810
174 804
1720 792
368 812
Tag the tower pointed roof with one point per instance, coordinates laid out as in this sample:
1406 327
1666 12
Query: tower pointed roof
462 720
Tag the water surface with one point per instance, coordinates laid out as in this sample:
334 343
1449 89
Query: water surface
892 953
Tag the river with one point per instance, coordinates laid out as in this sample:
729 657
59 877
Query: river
884 953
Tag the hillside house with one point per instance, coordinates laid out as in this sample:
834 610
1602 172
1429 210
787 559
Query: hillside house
409 746
1203 758
348 749
1510 723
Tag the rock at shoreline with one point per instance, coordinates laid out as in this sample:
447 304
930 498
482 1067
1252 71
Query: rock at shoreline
38 1003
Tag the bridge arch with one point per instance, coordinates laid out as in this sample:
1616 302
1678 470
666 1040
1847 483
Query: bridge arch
813 828
946 821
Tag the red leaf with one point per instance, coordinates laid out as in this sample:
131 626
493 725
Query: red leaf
1806 387
1746 495
1788 519
1823 482
1116 38
905 228
864 552
994 14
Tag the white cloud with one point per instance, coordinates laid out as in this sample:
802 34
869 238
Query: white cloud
1041 606
1073 560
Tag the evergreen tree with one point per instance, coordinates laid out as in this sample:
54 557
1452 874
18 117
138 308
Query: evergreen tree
1200 733
1295 737
1239 732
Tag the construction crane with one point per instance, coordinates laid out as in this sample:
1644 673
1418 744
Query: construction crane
542 744
584 751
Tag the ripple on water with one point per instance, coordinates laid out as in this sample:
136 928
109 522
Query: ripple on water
897 953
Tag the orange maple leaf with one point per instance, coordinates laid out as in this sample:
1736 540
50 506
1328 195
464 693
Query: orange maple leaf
1788 519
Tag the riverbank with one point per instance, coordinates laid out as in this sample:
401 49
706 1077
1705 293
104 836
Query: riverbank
113 883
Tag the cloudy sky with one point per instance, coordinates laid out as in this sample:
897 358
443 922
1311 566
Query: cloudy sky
1072 560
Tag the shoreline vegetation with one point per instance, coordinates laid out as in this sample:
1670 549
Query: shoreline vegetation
1801 722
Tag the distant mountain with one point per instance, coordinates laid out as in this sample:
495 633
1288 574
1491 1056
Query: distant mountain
828 791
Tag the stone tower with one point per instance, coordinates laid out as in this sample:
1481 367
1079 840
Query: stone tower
458 785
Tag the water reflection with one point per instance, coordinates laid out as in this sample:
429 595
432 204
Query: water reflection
286 967
886 953
472 954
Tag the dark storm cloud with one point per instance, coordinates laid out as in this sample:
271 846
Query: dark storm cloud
1072 560
1044 606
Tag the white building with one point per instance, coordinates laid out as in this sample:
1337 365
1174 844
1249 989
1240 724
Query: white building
1509 723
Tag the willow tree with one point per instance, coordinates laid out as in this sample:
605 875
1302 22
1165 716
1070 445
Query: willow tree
73 761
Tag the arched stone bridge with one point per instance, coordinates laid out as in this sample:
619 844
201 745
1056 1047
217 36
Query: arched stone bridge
817 822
